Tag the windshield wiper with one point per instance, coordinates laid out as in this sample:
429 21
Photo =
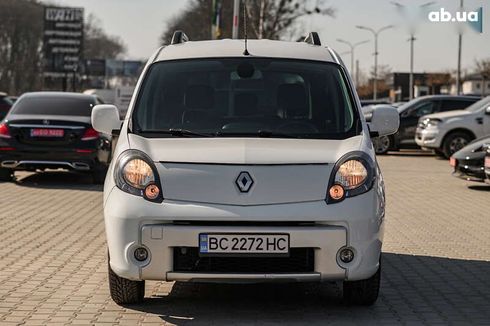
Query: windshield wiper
259 133
175 132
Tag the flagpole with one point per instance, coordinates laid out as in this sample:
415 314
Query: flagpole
236 11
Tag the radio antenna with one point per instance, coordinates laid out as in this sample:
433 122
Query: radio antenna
245 27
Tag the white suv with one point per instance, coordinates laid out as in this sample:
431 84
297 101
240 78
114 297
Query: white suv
236 166
448 132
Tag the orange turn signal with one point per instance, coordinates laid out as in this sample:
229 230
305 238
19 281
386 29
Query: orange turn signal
336 192
152 191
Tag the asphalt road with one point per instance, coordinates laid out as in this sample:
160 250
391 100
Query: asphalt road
436 260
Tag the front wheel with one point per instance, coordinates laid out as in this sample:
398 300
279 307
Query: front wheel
454 142
362 292
124 291
381 144
6 174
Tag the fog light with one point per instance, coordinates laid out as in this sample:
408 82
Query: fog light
140 254
336 192
152 191
346 255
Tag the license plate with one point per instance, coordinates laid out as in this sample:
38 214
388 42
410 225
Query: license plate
47 132
243 244
487 162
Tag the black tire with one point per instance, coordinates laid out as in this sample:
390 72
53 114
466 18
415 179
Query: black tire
363 292
98 174
454 142
6 175
124 291
382 144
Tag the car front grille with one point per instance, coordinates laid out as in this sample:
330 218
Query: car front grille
300 260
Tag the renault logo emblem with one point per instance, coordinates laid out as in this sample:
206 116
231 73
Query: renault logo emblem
244 182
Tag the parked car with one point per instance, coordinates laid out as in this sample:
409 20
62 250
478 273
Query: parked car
53 130
487 162
5 105
448 132
410 112
233 167
468 162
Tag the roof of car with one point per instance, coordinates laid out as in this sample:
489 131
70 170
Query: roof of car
58 94
446 96
256 48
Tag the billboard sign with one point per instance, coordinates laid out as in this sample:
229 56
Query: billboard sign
63 38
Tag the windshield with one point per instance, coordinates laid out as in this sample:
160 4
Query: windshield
44 105
479 105
245 97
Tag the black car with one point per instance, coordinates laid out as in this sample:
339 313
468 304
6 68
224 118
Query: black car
410 113
45 130
5 105
468 162
487 161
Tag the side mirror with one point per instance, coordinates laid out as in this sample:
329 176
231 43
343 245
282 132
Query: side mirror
385 121
487 110
105 118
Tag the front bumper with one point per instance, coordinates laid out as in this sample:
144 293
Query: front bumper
428 138
469 172
132 222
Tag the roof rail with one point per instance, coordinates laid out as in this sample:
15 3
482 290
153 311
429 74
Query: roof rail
179 37
313 39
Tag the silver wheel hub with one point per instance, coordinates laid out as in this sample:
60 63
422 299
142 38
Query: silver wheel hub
457 143
381 144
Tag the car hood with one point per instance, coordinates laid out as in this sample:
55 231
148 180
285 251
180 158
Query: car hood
244 150
278 171
447 115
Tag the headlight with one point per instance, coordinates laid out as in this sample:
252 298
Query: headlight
136 174
352 175
432 122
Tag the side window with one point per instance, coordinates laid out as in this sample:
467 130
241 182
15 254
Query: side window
449 105
423 109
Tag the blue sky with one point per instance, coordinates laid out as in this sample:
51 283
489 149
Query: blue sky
140 22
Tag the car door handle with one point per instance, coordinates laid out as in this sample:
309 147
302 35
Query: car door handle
479 121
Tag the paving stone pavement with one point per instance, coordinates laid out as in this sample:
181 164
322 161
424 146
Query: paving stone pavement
436 261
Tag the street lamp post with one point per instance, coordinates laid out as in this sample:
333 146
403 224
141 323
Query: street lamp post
402 10
410 93
375 34
352 47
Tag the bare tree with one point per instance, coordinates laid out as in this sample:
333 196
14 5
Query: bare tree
21 28
99 45
270 19
483 68
383 72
